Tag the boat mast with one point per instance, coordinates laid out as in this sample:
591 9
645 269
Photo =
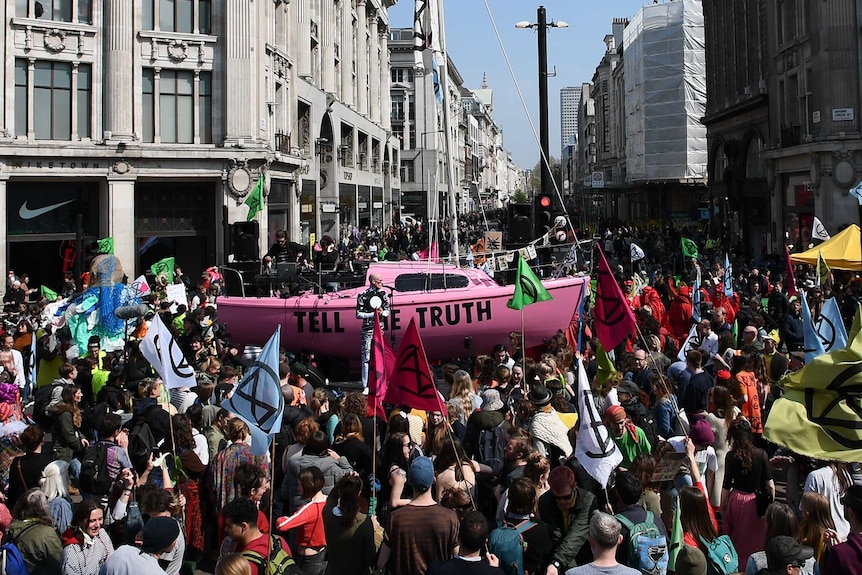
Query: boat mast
443 67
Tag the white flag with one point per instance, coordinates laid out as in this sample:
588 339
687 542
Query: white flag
818 230
637 252
141 285
596 449
161 350
691 342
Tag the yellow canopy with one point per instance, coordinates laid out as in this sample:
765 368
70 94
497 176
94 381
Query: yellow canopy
843 251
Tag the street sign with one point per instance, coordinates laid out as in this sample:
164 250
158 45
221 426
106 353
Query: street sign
598 180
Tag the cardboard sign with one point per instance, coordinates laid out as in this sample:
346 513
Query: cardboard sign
668 466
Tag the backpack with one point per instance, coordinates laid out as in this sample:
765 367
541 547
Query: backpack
490 448
721 557
11 561
644 419
647 547
280 562
141 444
41 399
507 543
94 477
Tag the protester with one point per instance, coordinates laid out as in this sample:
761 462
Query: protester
605 538
86 544
349 532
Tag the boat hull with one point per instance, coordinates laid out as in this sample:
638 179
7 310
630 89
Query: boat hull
327 324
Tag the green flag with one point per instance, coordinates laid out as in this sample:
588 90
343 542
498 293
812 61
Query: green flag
254 201
605 366
165 266
689 248
48 293
528 287
106 245
676 541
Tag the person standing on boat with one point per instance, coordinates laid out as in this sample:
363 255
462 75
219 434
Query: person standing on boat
374 298
284 251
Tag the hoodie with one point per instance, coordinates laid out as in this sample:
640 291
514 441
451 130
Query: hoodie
845 558
158 419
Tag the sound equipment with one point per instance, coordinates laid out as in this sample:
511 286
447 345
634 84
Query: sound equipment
245 241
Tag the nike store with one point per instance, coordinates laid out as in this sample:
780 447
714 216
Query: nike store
42 220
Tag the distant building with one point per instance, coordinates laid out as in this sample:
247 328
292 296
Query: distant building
570 98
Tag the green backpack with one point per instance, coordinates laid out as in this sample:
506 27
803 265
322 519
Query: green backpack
280 562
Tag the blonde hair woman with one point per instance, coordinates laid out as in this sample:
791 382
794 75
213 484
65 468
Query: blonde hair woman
233 564
463 397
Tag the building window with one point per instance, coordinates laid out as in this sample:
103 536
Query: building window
205 90
177 15
84 101
176 109
21 97
149 109
408 171
52 99
174 123
397 108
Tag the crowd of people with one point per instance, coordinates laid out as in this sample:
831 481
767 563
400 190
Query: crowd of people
108 472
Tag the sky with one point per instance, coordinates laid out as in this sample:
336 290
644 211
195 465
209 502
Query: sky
575 51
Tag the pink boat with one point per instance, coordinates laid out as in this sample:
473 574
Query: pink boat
448 303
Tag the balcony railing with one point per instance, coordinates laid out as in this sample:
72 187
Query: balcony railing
282 142
791 136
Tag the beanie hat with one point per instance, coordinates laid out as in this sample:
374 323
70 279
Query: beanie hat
159 533
701 433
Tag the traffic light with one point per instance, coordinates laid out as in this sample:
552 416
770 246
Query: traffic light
543 218
519 226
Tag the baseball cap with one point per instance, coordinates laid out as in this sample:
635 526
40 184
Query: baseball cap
783 550
421 473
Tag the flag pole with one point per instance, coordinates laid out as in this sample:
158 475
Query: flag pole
523 342
271 499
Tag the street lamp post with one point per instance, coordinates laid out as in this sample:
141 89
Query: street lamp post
541 25
422 167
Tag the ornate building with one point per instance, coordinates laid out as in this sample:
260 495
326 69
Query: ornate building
152 120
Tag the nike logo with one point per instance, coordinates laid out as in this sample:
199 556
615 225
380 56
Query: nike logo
27 214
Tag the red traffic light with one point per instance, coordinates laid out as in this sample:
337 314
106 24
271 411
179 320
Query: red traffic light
545 201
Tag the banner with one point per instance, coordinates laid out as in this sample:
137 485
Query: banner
825 335
696 297
528 287
818 230
257 399
412 381
48 293
691 342
614 319
595 449
636 252
141 285
162 351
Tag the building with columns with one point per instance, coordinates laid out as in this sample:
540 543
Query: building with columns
151 121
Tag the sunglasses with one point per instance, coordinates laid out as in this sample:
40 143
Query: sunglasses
564 497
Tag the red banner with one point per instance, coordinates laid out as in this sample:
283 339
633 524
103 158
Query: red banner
614 319
412 381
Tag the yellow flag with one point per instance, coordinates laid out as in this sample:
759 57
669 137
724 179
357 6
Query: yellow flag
823 270
820 414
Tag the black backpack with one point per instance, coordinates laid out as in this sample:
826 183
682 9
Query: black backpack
95 478
41 400
492 442
644 419
141 444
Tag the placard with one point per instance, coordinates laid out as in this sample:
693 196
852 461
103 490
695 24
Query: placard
668 466
177 293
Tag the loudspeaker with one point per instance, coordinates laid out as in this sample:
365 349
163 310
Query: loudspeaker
519 225
245 241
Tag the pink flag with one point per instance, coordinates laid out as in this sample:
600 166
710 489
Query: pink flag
412 382
431 253
791 281
381 363
614 319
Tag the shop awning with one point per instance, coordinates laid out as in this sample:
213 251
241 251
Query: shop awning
842 252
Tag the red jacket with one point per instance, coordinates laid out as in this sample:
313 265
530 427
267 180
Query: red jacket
679 314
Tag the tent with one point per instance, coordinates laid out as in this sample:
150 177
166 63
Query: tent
842 252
